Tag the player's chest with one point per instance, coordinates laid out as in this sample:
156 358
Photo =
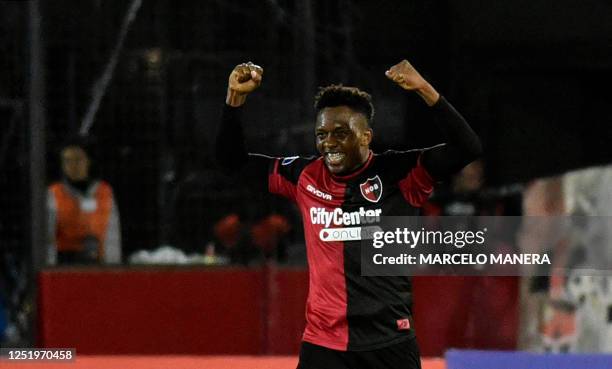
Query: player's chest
367 191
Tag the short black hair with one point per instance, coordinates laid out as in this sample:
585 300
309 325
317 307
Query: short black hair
339 95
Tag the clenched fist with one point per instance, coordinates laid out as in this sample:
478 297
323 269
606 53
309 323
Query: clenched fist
407 77
243 80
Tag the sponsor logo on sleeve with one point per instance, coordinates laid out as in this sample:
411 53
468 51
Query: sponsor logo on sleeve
288 160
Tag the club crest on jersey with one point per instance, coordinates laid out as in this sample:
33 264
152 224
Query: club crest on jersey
371 189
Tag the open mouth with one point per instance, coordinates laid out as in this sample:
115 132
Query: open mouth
334 158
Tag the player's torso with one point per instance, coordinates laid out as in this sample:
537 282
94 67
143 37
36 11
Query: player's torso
364 309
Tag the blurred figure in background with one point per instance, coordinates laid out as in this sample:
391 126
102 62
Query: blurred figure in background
468 195
219 217
83 220
251 242
569 309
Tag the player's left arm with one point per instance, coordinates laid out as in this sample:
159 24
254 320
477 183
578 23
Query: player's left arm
462 144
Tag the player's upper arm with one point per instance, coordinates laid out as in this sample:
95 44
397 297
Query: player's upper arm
414 181
284 174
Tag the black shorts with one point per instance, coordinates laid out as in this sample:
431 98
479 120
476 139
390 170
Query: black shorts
403 355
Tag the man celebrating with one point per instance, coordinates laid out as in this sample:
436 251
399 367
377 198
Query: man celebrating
351 321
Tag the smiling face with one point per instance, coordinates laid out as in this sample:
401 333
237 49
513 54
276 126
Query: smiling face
343 138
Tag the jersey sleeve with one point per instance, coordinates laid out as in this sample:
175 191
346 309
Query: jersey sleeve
417 186
407 171
462 144
231 155
284 174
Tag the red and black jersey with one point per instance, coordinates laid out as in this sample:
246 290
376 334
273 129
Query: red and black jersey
347 311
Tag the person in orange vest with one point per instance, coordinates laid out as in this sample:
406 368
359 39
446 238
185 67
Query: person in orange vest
83 219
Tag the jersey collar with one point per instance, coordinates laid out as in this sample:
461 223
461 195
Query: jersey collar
356 173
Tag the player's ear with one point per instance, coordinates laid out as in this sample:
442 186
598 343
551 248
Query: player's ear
366 137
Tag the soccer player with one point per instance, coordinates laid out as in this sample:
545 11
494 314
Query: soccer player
351 321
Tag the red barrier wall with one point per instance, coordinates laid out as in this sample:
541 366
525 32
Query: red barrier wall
246 311
466 312
287 294
178 311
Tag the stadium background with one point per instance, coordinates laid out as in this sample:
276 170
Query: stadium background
532 77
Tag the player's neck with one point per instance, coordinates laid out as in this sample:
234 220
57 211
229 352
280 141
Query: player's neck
357 170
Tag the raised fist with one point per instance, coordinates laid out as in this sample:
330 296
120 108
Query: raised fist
405 75
245 78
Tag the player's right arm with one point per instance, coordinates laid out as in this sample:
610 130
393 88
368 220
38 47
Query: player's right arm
276 175
230 148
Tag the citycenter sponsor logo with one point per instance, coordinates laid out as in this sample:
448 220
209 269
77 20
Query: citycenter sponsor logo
339 217
318 193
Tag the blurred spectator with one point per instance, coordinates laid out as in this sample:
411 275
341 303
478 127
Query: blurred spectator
467 196
264 239
267 233
83 220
